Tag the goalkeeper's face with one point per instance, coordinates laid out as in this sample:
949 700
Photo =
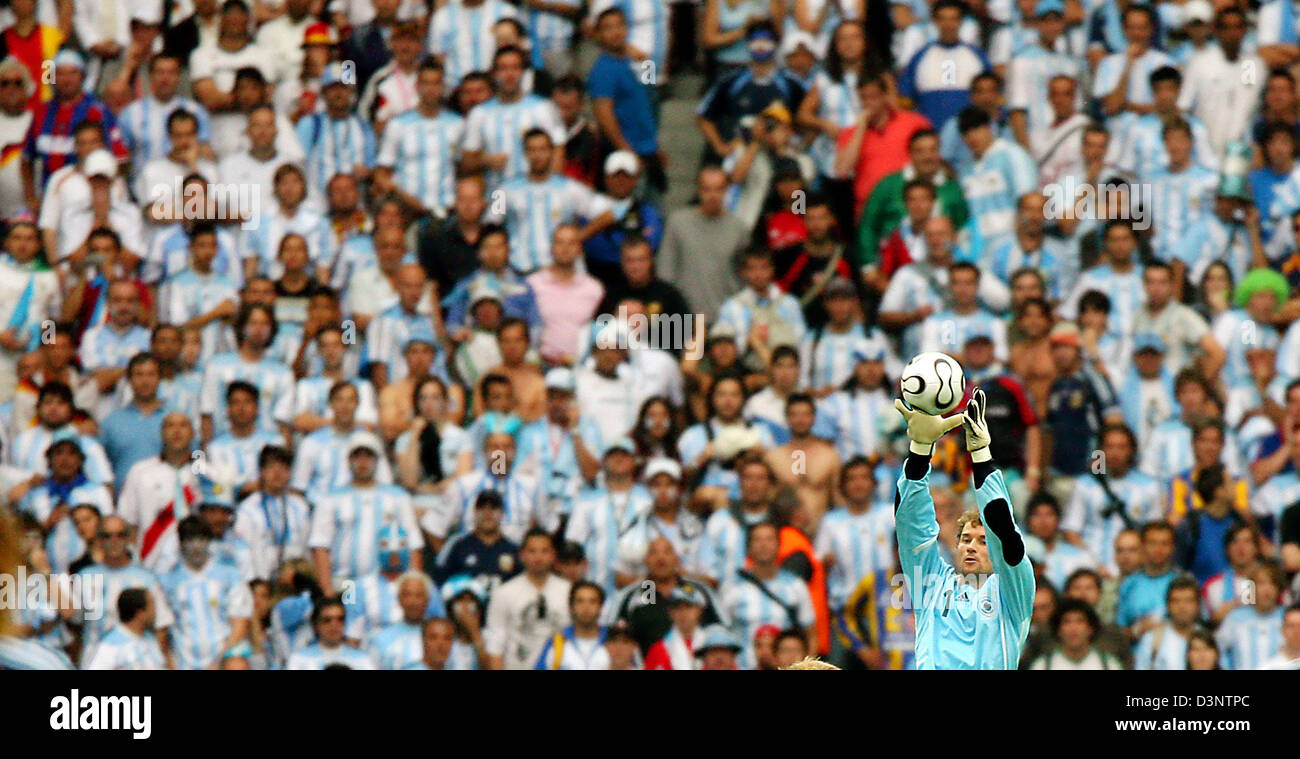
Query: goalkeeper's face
973 551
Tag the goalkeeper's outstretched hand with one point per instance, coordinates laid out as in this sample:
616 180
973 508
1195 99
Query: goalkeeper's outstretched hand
977 428
924 429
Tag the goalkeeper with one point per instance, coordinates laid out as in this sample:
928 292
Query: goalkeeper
976 616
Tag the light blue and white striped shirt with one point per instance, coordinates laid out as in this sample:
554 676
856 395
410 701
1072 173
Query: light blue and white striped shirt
123 649
994 185
348 522
749 608
462 36
398 646
534 209
1125 290
519 493
262 240
423 152
1178 201
188 294
29 447
169 254
103 347
1144 155
497 128
374 606
599 518
1249 638
647 22
317 656
861 544
838 102
334 146
237 456
947 331
747 308
63 544
320 464
1143 499
103 607
275 383
387 335
144 126
854 421
554 466
205 602
275 528
1208 240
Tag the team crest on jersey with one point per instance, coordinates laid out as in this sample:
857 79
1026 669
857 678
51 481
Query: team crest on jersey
986 606
506 562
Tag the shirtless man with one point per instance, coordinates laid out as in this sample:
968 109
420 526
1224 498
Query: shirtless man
808 464
397 399
526 378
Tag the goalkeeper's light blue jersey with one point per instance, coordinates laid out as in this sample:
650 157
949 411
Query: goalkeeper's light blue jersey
957 625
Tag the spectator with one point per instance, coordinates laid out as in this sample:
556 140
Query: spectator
1075 626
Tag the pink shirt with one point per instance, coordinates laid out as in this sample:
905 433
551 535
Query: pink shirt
566 308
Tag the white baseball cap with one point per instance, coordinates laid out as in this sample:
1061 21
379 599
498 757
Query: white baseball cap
662 465
624 161
365 439
100 162
1197 10
561 378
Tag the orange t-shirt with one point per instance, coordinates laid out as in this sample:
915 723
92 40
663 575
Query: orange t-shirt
884 151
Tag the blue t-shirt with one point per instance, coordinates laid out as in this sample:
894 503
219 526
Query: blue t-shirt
1210 557
616 78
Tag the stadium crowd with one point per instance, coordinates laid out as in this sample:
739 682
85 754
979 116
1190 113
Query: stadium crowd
418 360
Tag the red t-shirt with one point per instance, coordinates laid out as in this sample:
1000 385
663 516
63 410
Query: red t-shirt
884 151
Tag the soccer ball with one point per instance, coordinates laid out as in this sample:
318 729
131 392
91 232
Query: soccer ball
933 383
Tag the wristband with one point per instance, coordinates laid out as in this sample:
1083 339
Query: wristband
921 449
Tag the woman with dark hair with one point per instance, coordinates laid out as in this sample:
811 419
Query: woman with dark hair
433 451
467 612
656 430
1202 650
1214 291
832 105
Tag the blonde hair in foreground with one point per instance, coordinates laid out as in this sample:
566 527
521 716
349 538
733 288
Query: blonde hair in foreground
810 662
9 558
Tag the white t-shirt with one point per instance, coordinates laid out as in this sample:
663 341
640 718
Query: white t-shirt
516 630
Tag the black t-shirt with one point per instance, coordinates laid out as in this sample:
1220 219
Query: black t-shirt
1008 415
469 555
445 254
1289 530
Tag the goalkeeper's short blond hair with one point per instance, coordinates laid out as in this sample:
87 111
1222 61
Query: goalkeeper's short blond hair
811 662
969 516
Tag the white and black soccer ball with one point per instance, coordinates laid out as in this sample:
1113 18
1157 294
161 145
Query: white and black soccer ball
933 383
